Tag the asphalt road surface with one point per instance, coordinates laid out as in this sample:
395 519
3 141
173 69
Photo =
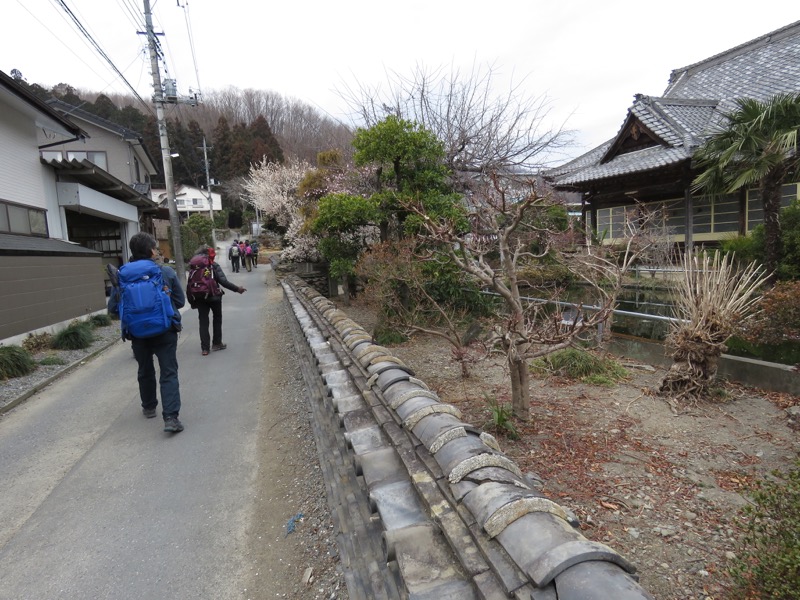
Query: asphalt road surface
98 502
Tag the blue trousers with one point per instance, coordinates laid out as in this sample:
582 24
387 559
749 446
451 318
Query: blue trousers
165 348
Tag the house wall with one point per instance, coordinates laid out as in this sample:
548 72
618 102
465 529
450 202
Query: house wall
40 291
19 181
714 219
119 155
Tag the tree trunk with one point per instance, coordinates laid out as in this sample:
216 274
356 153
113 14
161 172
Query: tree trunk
520 388
771 200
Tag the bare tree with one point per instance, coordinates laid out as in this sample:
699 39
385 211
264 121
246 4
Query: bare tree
505 234
483 131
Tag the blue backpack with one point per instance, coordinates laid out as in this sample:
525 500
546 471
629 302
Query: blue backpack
145 309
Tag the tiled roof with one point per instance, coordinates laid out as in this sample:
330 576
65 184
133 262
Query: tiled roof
758 69
69 110
693 106
648 159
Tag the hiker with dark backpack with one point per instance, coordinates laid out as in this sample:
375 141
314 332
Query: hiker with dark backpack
204 291
150 297
233 256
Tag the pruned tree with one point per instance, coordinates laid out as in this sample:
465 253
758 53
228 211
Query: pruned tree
506 231
712 300
418 292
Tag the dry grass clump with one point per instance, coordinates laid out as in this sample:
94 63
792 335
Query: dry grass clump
713 298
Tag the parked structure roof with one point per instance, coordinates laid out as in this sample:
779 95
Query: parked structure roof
664 131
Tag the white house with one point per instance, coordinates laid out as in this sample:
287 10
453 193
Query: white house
190 200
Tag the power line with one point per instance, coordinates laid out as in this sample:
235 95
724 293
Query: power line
185 8
102 53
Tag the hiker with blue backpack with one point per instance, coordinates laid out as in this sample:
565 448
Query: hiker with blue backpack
150 298
204 291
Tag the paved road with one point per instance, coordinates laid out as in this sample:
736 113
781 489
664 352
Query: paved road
98 502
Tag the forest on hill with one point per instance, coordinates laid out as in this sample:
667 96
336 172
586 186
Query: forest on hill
240 127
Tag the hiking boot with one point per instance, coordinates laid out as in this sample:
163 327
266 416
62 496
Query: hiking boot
173 425
205 352
219 346
149 413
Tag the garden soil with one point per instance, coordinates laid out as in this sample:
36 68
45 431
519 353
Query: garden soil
664 488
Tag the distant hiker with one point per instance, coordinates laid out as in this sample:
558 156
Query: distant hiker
254 248
248 256
234 255
150 297
203 267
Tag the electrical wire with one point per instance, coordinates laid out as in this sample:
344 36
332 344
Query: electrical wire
97 47
191 42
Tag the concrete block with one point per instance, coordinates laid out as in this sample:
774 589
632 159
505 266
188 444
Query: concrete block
508 573
366 439
380 467
398 505
348 403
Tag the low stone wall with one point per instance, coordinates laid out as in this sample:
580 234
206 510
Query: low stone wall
314 274
772 377
458 519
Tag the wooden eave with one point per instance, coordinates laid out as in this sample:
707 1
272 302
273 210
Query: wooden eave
634 135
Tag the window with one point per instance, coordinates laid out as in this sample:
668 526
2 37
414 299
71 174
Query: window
755 209
23 220
98 158
52 155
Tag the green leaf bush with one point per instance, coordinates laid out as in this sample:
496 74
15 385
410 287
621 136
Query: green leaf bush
580 364
768 561
15 361
75 337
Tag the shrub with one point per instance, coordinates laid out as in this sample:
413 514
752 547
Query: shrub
500 418
53 359
15 361
577 363
75 337
386 336
100 320
768 561
35 343
779 319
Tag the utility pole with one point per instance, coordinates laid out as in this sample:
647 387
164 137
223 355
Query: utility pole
158 100
210 198
208 186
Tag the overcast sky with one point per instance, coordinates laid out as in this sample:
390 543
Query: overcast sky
589 57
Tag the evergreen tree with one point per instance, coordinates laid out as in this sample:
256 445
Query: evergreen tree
241 151
133 119
264 144
103 107
220 154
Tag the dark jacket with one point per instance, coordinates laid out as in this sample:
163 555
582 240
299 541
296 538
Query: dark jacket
223 282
